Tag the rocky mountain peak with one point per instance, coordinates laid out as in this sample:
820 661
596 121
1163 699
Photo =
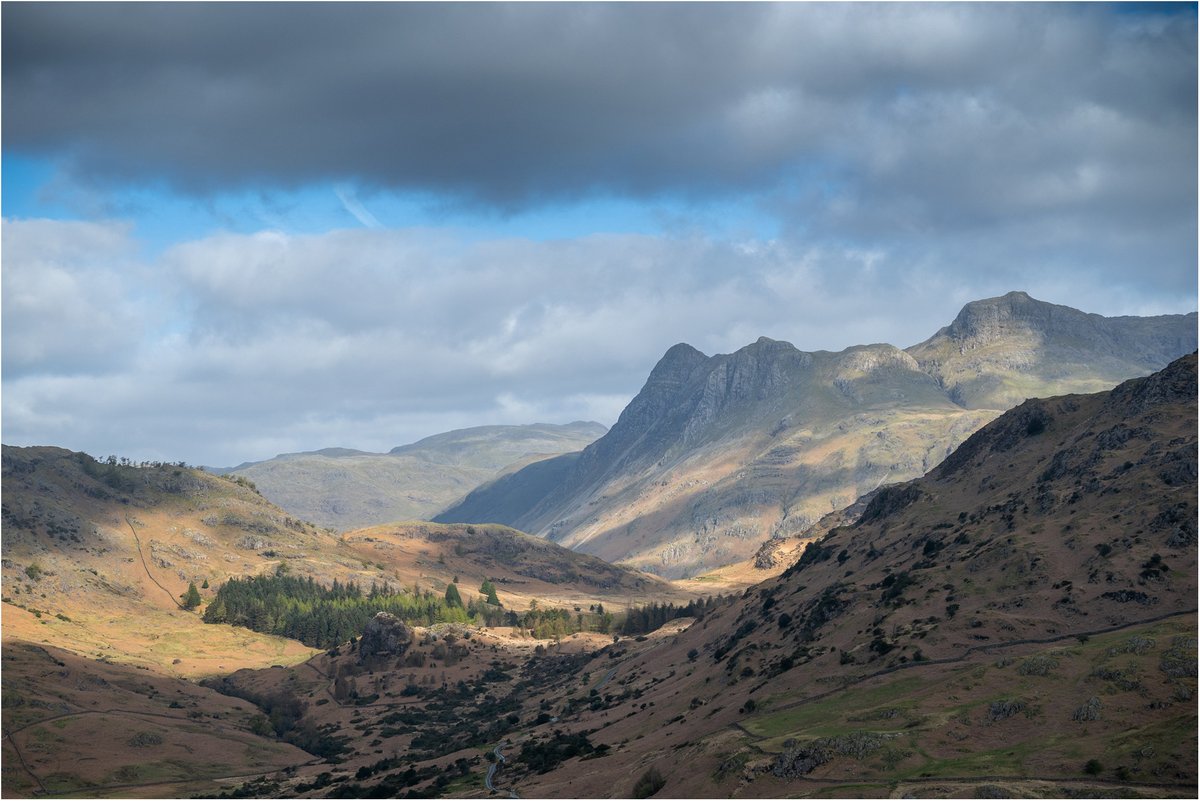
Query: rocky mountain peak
768 345
999 351
671 373
675 365
985 321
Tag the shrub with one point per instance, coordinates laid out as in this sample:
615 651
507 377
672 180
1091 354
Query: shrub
1179 661
1093 767
650 783
1005 708
1038 665
1089 711
895 585
191 599
144 739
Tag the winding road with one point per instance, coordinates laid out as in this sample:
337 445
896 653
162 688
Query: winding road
492 768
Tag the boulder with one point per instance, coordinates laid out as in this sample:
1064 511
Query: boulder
385 634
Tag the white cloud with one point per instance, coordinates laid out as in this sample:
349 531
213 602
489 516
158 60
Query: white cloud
350 202
69 297
371 338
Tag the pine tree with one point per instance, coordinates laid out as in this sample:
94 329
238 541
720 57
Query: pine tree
489 590
204 586
191 598
215 613
452 596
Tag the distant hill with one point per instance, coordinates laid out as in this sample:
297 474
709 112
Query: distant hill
717 454
522 567
345 489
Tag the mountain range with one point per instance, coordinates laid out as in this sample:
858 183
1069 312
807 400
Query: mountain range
346 489
717 454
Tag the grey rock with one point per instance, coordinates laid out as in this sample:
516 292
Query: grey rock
385 634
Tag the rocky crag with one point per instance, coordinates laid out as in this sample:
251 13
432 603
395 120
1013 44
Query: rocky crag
717 454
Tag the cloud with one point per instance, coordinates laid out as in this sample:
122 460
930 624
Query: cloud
345 194
906 127
907 158
67 307
235 347
513 105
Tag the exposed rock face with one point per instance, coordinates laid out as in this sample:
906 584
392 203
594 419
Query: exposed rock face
385 634
717 454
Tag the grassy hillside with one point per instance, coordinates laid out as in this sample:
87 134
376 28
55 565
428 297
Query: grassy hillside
97 557
523 568
85 728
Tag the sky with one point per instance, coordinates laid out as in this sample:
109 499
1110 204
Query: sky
231 231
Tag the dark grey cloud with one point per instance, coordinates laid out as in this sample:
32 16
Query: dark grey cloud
520 104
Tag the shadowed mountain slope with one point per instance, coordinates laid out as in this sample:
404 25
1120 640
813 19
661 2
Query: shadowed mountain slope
346 489
717 454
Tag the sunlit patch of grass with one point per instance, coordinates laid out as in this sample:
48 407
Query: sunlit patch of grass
1008 760
463 784
63 782
861 790
831 715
